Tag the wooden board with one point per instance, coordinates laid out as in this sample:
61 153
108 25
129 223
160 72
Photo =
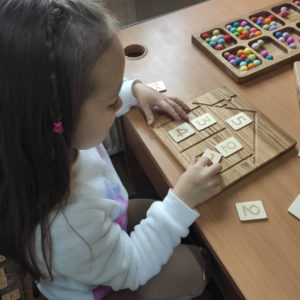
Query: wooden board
296 68
281 52
262 140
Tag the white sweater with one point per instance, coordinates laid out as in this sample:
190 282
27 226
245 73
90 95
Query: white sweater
90 246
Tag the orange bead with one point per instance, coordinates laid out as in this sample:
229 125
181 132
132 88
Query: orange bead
251 66
245 32
240 52
267 21
257 33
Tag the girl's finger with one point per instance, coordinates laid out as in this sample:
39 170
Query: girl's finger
166 107
193 160
180 111
204 161
213 169
181 103
148 113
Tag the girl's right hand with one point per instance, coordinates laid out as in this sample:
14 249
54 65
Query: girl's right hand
199 182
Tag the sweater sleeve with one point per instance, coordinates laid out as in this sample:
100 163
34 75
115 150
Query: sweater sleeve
100 253
127 97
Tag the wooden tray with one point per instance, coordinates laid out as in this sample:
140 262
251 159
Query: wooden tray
262 140
281 52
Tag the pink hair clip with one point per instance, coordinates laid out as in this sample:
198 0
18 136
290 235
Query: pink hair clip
58 127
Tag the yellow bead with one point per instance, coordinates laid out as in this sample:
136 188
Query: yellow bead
247 51
244 68
216 32
252 56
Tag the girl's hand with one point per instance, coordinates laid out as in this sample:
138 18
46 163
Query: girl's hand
199 182
151 101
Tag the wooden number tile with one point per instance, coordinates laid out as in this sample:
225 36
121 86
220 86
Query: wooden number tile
229 146
3 280
214 156
181 132
294 208
203 121
159 86
239 121
251 210
6 297
15 294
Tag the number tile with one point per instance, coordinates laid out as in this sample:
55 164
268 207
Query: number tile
239 121
251 210
181 132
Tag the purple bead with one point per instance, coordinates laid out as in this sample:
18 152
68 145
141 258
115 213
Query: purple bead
264 53
285 35
233 62
230 57
244 23
290 40
292 46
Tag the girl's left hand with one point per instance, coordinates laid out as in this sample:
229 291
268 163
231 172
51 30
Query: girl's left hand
151 101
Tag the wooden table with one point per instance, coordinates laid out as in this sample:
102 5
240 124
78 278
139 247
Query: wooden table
258 260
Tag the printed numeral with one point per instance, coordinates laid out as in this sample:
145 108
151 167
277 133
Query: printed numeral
239 121
203 121
181 132
252 210
229 146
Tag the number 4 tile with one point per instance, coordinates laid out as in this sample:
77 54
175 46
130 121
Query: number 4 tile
181 132
251 210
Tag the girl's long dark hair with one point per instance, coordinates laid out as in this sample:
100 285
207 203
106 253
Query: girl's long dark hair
47 51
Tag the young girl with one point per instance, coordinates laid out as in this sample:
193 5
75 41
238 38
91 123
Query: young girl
63 209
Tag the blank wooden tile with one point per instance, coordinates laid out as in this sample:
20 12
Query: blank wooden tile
181 132
251 210
159 86
229 146
214 156
239 121
204 121
294 208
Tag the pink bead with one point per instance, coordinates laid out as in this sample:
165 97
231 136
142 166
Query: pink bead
253 30
219 47
290 40
264 53
244 23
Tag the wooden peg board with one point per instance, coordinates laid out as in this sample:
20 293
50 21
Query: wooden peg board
281 52
262 140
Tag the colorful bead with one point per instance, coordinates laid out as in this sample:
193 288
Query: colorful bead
243 30
215 39
244 59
